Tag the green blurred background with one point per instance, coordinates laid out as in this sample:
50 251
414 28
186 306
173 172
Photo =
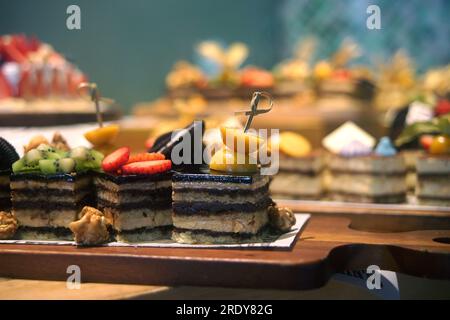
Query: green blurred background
128 47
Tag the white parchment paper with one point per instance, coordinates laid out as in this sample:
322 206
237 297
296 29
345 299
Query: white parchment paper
284 241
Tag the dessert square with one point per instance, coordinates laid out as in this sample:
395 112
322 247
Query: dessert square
219 208
45 204
433 180
140 204
299 178
369 178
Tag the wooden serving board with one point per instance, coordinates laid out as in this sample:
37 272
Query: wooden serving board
377 217
325 246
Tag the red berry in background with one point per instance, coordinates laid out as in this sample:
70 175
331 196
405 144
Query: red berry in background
34 44
21 43
426 140
343 74
443 107
114 161
10 52
255 77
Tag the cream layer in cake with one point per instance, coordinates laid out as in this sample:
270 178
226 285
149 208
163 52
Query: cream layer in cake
299 178
47 204
219 208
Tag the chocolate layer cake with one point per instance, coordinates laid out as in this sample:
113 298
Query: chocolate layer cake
219 208
5 196
140 205
299 178
433 180
44 204
369 178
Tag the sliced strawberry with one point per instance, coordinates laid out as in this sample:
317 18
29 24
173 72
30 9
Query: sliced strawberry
146 157
115 160
147 167
443 107
426 140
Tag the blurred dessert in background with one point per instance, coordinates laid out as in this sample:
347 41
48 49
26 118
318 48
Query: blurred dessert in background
433 164
396 82
39 86
293 75
360 173
300 169
340 85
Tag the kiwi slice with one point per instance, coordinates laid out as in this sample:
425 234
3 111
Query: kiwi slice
96 156
20 166
94 161
46 148
49 166
79 153
66 165
8 154
62 153
48 152
32 157
80 165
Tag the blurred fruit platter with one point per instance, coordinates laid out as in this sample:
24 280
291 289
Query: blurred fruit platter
39 86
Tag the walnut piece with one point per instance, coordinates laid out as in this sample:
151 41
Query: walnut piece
8 225
35 142
92 228
58 142
281 218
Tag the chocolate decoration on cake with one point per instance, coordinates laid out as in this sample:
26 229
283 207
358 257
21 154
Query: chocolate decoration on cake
165 143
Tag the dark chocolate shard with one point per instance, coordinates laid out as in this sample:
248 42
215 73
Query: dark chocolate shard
8 154
165 143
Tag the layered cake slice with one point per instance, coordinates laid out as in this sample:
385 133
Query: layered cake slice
300 169
357 173
48 189
368 178
433 187
136 193
219 208
433 164
229 202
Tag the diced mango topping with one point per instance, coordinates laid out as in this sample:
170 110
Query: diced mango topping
226 160
102 136
241 142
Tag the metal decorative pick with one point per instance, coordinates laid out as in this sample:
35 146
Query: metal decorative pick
94 95
254 111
